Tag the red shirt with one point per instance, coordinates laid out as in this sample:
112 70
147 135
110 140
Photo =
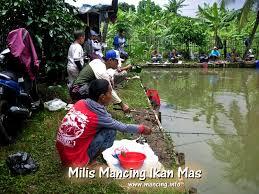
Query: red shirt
75 134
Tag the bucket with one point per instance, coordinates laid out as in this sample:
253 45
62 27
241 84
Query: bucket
132 160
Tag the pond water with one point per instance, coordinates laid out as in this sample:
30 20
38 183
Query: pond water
219 102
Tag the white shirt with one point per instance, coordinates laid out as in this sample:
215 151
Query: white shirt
100 72
97 47
121 41
75 53
112 72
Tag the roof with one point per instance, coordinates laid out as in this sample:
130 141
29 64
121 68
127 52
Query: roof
86 8
99 8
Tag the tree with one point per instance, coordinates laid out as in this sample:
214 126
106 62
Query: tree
148 7
47 21
126 7
174 6
186 30
216 17
249 5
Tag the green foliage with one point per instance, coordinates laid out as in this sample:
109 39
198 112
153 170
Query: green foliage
216 17
150 28
161 30
174 6
51 24
248 6
148 7
186 30
126 7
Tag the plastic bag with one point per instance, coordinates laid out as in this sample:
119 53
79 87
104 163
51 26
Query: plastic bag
21 163
54 105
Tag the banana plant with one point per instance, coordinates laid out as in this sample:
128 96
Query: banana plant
216 17
174 6
248 6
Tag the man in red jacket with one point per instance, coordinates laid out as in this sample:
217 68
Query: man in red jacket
88 129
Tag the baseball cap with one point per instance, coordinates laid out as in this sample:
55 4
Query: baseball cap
113 54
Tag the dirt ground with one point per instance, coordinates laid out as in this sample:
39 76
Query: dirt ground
161 144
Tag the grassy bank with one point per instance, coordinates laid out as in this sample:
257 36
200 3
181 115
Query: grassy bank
38 139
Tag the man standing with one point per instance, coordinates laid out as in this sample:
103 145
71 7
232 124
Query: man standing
119 43
97 69
75 57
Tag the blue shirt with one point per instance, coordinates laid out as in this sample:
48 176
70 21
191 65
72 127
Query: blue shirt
215 53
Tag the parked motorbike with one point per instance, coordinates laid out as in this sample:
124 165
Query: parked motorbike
16 104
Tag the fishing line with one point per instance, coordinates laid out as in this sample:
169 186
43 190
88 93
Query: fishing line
199 133
200 141
171 116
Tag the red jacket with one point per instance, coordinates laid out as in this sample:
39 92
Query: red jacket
78 130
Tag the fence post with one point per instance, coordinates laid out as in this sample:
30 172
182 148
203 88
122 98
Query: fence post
225 48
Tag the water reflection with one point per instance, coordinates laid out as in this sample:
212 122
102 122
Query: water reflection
219 101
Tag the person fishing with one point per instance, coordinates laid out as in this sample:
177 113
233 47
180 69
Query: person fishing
88 129
233 56
156 57
215 54
173 56
120 74
97 69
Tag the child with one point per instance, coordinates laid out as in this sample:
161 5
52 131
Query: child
88 129
75 57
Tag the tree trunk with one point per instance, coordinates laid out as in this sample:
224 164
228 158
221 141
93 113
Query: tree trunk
188 49
251 37
215 37
225 48
105 30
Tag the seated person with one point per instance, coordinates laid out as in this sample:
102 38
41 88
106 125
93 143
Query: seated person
250 56
156 57
203 58
118 75
233 56
88 129
97 69
173 56
215 54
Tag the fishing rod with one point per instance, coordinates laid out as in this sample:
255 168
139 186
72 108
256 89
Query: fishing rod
171 116
185 133
199 133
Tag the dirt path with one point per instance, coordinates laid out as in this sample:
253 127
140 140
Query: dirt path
161 144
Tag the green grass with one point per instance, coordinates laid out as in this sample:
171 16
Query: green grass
38 139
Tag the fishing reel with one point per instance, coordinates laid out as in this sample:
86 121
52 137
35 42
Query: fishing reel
141 140
136 69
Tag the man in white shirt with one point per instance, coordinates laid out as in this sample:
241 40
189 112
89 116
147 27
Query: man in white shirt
75 57
118 75
97 69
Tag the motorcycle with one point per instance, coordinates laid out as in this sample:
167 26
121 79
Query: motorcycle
16 105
